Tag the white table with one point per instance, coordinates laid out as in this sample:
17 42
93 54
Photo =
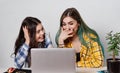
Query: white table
78 70
90 70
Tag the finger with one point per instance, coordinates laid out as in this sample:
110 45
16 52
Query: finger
24 29
69 31
70 35
62 29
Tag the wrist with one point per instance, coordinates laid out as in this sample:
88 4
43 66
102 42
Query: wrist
61 45
27 42
61 42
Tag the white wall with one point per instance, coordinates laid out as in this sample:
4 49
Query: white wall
101 15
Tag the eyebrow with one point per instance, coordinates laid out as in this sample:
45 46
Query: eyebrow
68 22
39 29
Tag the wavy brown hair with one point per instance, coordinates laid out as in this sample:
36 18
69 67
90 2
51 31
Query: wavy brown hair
31 24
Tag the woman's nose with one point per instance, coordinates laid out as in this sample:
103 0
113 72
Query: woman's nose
42 32
67 27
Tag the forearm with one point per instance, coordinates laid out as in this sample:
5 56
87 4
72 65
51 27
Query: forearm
94 62
21 56
91 58
96 55
90 62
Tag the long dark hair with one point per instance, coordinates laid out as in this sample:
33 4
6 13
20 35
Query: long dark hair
31 24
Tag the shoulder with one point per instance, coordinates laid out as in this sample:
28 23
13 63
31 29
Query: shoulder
89 35
47 38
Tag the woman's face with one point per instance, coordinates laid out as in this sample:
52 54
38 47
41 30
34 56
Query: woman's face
40 33
69 24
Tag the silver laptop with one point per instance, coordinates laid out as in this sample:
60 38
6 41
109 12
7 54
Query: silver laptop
53 60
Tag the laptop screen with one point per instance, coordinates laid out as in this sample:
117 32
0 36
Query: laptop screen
53 60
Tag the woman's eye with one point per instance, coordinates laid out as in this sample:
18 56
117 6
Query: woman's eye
63 24
42 29
71 23
38 31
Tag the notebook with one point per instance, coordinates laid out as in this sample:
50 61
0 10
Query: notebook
53 60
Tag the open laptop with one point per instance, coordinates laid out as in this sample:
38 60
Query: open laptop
53 60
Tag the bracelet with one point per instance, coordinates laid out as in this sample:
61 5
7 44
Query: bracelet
61 45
